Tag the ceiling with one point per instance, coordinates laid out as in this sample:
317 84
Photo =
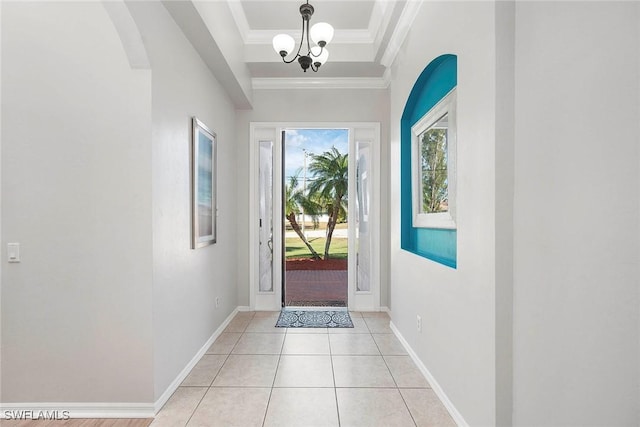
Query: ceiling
233 37
282 14
358 55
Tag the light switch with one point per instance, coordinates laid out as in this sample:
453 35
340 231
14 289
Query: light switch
13 252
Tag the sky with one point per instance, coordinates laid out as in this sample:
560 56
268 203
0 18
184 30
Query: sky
315 141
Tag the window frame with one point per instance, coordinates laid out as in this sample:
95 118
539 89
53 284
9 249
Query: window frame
442 220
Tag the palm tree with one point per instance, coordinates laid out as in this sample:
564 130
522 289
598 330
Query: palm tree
330 185
295 202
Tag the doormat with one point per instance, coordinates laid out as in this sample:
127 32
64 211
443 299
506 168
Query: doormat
313 318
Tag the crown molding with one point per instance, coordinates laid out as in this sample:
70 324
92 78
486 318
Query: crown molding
250 36
322 82
380 20
400 32
340 36
237 12
387 76
376 16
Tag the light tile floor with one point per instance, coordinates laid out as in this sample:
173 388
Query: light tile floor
258 375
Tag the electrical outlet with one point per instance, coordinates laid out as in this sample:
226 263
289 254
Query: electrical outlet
217 302
419 323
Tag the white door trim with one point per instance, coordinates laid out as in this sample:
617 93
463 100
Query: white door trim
358 131
264 300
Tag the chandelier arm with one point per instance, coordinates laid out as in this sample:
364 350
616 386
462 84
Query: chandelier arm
292 59
302 38
306 61
319 53
299 47
308 43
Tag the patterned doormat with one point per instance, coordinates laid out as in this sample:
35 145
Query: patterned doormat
313 318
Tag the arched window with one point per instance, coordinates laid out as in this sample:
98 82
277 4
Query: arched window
428 164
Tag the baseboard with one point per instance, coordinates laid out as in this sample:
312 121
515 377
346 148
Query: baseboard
183 374
386 310
243 308
455 414
65 410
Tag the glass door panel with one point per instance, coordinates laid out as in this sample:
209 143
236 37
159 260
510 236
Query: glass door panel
266 216
363 235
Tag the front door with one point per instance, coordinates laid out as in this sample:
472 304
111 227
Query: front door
267 217
315 195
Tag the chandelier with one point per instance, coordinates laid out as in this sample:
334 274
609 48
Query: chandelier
321 34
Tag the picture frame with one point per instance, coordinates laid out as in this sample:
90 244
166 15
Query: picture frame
203 185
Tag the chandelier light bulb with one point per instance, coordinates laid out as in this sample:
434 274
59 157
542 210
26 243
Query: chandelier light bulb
321 33
283 44
319 55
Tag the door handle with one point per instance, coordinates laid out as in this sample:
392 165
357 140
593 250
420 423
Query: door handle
270 244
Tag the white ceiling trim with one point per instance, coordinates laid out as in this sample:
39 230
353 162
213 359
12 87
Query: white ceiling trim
229 70
376 16
322 83
340 36
380 20
370 41
370 35
400 32
240 18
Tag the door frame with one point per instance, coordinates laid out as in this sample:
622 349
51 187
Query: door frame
358 131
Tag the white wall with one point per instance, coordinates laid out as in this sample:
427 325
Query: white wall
1 241
76 194
185 281
576 214
219 20
109 303
331 106
504 152
457 306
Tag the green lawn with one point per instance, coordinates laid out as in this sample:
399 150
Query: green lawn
321 226
296 249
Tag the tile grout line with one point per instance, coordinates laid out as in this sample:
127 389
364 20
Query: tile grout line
245 334
394 381
273 383
333 374
310 388
407 406
217 373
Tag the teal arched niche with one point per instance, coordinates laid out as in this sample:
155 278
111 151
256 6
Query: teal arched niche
435 81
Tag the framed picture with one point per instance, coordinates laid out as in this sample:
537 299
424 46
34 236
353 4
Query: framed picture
203 185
